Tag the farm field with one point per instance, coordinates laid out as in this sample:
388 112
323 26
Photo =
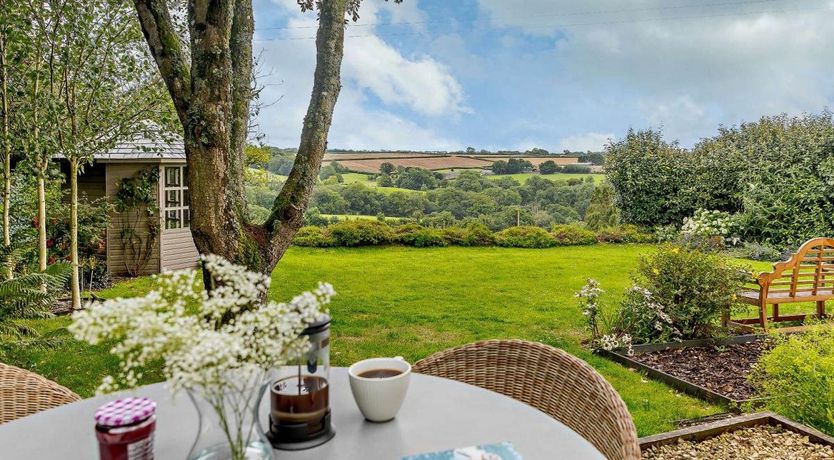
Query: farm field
535 161
413 302
359 217
426 162
523 177
335 156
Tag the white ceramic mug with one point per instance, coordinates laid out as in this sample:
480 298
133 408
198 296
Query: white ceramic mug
379 399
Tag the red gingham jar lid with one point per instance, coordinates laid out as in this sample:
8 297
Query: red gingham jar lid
125 411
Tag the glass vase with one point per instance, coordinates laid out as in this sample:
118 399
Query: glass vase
229 426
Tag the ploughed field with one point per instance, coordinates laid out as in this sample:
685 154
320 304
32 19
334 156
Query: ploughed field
370 162
413 302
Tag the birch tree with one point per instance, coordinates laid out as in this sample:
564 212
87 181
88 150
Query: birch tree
104 90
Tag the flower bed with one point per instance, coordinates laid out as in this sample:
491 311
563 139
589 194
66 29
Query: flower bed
763 435
722 369
714 370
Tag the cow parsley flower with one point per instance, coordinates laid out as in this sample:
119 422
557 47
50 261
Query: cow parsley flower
201 337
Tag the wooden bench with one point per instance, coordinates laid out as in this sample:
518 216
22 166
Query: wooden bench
808 276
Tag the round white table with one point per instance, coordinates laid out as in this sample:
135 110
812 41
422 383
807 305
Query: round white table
438 414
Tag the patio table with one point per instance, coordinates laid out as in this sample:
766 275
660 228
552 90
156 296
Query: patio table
437 414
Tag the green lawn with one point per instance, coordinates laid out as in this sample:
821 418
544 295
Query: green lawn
523 177
413 302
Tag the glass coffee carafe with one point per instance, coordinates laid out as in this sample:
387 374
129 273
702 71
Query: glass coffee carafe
300 395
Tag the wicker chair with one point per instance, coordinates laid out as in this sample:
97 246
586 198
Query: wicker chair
551 380
23 393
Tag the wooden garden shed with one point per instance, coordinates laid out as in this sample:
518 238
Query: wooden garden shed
151 238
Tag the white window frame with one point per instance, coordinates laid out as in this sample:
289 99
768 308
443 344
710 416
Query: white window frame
181 209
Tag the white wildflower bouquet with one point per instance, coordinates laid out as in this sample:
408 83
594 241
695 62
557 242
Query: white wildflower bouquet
201 337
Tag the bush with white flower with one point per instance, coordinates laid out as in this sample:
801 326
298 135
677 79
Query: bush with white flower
705 224
201 337
589 303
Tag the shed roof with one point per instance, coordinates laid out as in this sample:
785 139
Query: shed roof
142 148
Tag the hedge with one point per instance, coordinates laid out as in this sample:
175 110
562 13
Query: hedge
353 233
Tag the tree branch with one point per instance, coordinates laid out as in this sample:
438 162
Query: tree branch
164 43
287 214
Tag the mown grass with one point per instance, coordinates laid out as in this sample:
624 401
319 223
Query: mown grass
414 302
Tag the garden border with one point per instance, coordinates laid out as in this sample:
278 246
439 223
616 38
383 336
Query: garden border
678 383
709 430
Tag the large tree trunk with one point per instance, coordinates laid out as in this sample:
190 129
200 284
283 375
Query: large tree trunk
75 281
212 96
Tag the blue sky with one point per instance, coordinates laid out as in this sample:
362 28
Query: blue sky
556 74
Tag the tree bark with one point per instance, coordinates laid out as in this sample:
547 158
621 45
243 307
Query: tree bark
75 281
42 251
7 148
287 214
213 97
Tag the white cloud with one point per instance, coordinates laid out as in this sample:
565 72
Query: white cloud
370 66
584 142
687 66
421 84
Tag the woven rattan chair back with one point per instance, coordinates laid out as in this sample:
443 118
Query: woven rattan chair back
549 379
23 393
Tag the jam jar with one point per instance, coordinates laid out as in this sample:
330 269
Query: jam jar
125 428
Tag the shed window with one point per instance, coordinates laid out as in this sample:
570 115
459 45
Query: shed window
177 212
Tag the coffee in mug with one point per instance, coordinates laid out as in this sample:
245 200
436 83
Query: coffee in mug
380 373
379 386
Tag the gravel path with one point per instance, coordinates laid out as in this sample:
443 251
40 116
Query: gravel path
757 443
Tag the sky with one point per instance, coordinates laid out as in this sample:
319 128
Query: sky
553 74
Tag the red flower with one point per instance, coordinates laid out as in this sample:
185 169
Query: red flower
50 243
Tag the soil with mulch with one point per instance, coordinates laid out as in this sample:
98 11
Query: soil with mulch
723 369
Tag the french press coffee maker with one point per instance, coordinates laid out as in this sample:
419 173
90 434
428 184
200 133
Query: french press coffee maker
300 395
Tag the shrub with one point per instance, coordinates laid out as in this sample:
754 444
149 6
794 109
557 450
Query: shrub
647 174
709 224
572 235
678 293
624 234
666 233
419 236
477 234
360 233
576 169
455 236
602 213
524 237
757 251
548 167
797 375
315 237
